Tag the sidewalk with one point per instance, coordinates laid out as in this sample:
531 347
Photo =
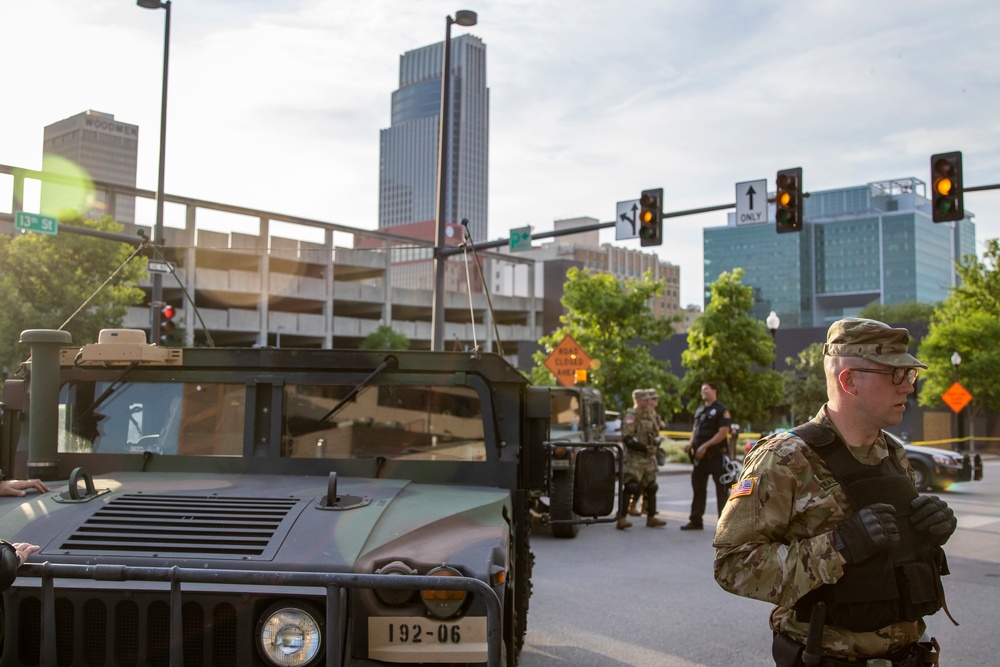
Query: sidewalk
670 468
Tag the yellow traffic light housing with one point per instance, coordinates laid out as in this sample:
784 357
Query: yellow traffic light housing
947 203
651 217
788 214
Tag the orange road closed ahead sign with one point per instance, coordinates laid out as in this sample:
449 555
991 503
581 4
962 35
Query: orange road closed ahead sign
957 397
566 359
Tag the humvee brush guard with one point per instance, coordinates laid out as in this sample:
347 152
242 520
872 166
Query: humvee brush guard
274 506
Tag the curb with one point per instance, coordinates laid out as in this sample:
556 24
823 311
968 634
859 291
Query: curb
674 469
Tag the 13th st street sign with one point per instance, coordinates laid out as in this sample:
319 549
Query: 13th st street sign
32 222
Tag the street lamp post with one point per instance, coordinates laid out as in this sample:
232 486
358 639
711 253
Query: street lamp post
773 322
463 17
157 297
956 360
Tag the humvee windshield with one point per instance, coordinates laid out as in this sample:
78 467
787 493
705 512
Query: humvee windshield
415 422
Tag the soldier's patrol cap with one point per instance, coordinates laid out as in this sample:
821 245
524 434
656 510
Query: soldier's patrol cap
872 340
652 393
638 394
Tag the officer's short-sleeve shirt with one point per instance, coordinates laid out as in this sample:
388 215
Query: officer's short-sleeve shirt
708 419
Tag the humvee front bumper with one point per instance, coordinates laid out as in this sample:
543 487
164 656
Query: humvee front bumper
56 629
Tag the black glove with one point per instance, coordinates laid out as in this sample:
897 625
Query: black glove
871 530
633 444
933 516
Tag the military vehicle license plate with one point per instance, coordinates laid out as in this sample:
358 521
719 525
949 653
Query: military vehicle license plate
391 637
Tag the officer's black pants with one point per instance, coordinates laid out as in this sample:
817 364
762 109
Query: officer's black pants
707 467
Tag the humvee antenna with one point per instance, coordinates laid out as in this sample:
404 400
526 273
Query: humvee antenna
489 301
102 286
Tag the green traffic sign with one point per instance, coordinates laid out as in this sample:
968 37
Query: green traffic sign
32 222
520 239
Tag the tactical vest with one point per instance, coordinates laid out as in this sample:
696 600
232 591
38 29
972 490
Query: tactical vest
899 584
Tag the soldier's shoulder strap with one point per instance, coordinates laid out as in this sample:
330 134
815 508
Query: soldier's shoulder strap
815 434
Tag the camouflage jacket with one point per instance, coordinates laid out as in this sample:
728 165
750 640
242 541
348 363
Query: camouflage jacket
774 540
643 426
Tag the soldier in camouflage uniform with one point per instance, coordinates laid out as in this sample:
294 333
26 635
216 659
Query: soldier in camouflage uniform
798 529
639 434
652 400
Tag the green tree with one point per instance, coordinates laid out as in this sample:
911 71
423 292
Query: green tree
911 311
732 349
385 338
44 279
968 322
612 322
805 385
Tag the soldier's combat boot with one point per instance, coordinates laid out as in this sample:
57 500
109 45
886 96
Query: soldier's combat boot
623 523
634 507
650 503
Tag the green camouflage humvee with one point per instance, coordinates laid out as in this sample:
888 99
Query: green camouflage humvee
274 506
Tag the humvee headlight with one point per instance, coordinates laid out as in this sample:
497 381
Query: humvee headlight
289 637
443 604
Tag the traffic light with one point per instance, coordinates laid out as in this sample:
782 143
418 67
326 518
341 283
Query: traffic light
946 187
651 217
167 324
788 201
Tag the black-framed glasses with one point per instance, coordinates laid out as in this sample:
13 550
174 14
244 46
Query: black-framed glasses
898 374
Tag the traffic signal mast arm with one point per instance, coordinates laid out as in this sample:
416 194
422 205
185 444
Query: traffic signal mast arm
501 243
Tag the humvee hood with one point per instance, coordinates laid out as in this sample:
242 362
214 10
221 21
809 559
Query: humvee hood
263 522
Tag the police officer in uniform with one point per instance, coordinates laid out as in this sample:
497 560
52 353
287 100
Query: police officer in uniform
640 432
826 524
709 439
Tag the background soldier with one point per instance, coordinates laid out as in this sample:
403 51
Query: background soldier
639 433
653 399
828 514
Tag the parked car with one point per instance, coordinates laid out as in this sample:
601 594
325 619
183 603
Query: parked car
935 468
938 469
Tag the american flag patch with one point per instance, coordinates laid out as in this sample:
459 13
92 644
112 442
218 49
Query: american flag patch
742 488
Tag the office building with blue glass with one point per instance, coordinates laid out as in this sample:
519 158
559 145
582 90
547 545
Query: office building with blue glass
863 244
408 164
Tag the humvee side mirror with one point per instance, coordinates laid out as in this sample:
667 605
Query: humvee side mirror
594 483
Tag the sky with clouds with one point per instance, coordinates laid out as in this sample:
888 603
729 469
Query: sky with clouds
278 105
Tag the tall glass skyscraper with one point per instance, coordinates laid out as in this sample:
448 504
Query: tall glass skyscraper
409 148
861 244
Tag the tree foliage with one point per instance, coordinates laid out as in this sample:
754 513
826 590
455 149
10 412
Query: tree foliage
805 385
612 322
44 279
911 311
385 338
732 349
968 322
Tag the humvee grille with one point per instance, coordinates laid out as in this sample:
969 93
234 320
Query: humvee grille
182 525
101 632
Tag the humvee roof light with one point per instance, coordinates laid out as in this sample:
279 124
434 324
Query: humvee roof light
289 637
443 604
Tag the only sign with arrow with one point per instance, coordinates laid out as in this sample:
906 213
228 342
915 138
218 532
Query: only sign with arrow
751 202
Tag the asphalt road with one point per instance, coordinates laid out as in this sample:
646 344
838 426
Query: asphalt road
646 597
